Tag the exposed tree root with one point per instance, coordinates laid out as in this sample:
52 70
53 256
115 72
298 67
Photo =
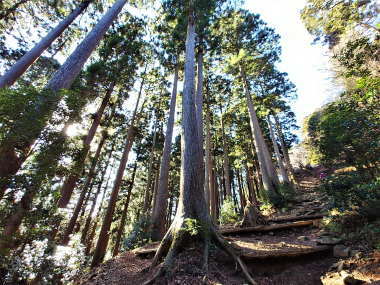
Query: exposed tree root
178 237
228 248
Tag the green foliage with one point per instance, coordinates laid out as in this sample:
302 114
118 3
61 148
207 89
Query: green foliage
358 57
13 104
276 199
328 20
192 226
287 192
139 235
46 261
346 131
354 227
227 212
351 190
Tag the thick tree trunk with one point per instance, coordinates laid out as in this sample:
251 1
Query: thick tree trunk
93 204
284 175
192 207
251 190
199 94
285 151
71 181
243 201
155 186
78 207
103 238
158 216
226 162
50 98
120 230
148 190
269 177
199 108
209 181
234 195
27 60
85 238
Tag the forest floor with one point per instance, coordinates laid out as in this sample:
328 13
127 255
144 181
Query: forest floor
291 255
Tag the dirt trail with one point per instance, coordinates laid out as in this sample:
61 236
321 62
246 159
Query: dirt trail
288 256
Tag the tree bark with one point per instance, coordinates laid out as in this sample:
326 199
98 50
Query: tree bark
120 230
148 190
158 216
226 163
18 69
209 181
192 207
78 207
284 175
285 151
50 97
199 108
71 181
94 199
241 190
103 238
85 238
269 177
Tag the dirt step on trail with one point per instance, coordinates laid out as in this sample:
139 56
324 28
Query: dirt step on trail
284 252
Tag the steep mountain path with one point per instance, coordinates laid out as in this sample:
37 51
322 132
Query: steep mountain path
291 250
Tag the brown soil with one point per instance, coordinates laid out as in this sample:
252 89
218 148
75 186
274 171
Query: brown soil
284 256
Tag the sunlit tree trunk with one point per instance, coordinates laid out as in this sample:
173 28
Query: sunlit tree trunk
199 108
51 96
88 239
241 190
94 200
284 149
78 207
226 162
148 189
103 238
27 60
209 183
71 181
268 173
123 218
277 153
161 199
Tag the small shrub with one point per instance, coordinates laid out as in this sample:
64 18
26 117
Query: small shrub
139 235
287 192
227 213
192 226
350 190
267 209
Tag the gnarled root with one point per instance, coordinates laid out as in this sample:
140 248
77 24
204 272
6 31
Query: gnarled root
229 249
175 239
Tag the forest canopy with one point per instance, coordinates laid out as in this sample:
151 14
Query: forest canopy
127 122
